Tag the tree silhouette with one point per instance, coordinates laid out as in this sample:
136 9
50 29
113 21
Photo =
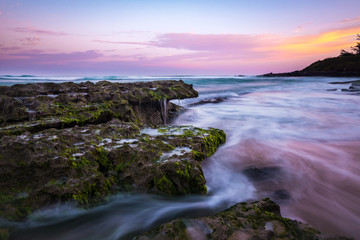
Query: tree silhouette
356 48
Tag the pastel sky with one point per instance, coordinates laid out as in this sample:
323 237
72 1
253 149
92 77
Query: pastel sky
159 37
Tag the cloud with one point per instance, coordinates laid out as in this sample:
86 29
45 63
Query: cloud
37 31
202 42
125 43
36 57
31 40
350 20
1 13
204 53
9 48
302 26
325 42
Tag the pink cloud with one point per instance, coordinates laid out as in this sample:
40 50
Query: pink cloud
351 20
209 42
130 43
36 57
203 42
31 40
204 54
37 31
9 48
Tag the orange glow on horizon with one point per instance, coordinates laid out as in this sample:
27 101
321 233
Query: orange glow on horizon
321 43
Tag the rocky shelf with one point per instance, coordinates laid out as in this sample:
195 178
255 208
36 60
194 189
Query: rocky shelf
35 107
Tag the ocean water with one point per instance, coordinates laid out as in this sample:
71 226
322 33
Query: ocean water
287 138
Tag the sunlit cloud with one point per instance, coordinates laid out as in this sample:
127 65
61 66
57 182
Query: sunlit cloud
324 42
183 52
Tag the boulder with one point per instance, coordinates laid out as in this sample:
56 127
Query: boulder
246 221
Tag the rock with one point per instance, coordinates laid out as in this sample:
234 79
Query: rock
261 174
212 100
281 194
83 142
85 164
355 86
39 106
344 82
257 220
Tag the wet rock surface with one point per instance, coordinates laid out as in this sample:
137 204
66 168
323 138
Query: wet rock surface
257 220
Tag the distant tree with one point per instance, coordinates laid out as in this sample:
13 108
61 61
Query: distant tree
356 48
344 53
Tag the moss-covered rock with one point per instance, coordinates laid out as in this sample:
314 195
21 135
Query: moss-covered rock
39 106
86 163
82 142
257 220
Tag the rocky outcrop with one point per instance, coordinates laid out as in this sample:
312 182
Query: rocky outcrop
84 164
35 107
355 86
257 220
82 142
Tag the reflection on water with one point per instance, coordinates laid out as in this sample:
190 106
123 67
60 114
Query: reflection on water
288 139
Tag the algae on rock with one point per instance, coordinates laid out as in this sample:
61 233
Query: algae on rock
86 141
257 220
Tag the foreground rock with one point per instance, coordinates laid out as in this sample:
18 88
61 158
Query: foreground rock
85 164
245 221
82 142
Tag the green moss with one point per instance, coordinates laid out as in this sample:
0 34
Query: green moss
199 156
104 163
5 198
4 234
89 190
165 185
213 140
183 171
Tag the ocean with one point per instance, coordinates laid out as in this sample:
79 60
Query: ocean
293 139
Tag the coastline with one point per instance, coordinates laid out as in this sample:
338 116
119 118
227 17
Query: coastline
107 122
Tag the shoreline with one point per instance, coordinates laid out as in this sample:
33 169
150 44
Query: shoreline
112 124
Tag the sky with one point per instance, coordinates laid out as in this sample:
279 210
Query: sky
158 37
